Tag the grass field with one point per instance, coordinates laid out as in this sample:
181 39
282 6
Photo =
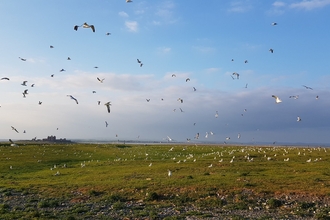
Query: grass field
204 176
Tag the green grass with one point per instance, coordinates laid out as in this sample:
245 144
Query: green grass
119 173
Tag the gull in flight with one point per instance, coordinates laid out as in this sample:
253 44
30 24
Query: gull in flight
24 83
148 100
317 97
239 136
246 61
277 99
173 75
128 1
298 118
12 127
236 74
188 79
62 70
4 78
271 50
23 59
25 93
197 136
294 96
51 46
307 87
40 102
100 80
84 25
73 98
194 89
274 23
181 100
216 114
108 104
140 62
106 124
68 58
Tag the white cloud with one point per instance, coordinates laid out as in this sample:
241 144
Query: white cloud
212 70
240 6
309 5
132 26
279 4
165 13
164 50
123 14
204 49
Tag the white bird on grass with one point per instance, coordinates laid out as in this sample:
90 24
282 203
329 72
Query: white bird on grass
169 173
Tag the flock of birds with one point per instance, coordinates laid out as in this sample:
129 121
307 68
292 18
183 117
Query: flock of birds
234 76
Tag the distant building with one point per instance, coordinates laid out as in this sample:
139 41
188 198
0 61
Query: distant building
53 139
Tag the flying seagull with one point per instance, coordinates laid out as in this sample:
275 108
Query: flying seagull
277 99
4 78
216 114
40 102
236 74
73 98
23 59
271 50
194 89
173 75
100 80
68 58
106 124
188 79
294 96
25 92
84 25
12 127
24 83
307 87
108 104
181 100
246 61
274 23
298 118
51 46
128 1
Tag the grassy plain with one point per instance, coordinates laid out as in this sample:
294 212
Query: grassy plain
202 175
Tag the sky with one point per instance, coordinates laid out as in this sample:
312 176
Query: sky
189 52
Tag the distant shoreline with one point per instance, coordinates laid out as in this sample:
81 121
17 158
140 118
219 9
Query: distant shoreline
89 141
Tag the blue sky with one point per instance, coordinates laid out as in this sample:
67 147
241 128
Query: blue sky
196 41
